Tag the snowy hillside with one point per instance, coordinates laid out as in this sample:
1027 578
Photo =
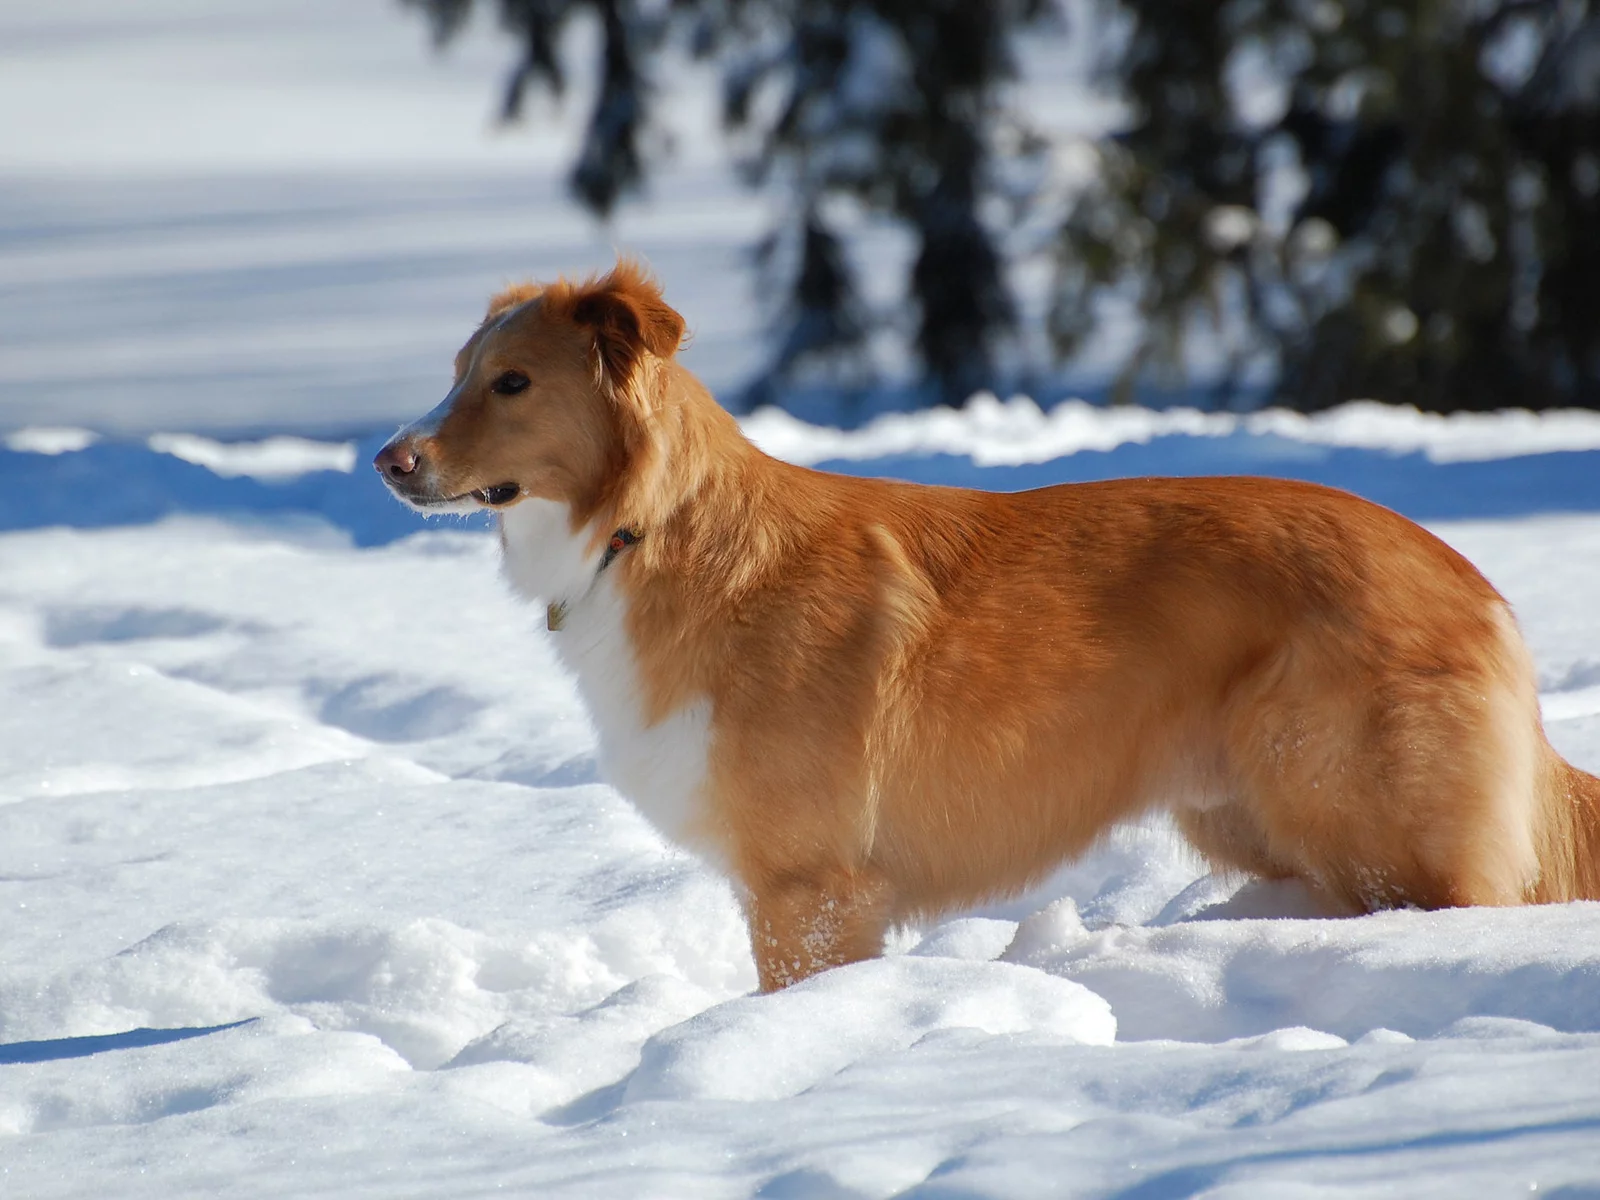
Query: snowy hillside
310 886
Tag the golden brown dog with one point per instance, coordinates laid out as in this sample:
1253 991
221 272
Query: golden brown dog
871 701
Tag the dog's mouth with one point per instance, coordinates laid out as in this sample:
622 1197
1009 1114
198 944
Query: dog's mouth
496 496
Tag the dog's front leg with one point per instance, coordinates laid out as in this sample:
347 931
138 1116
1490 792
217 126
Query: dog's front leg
802 923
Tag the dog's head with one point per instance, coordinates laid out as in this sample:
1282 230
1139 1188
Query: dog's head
551 400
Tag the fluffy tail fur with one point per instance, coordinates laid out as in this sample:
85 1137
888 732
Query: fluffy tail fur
1570 862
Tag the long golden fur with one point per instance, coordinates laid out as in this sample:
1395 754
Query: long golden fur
921 698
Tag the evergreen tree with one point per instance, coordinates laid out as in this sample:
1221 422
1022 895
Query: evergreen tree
1395 200
1352 198
890 103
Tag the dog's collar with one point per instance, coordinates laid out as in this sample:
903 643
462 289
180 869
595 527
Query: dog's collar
555 615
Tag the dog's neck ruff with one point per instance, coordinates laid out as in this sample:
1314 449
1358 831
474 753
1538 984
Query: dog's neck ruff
555 615
656 759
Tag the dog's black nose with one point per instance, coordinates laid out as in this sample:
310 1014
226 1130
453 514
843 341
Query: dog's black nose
396 459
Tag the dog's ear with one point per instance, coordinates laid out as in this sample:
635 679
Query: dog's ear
629 318
517 293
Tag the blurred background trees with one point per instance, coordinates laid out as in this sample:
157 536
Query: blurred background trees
1303 200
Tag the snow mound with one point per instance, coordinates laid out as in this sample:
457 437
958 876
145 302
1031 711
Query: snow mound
769 1047
1209 979
49 439
269 459
1013 432
271 1061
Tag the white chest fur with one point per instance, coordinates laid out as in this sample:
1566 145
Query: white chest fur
660 768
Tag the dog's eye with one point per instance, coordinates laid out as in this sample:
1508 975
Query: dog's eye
511 383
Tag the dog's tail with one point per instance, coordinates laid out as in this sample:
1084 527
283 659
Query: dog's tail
1570 862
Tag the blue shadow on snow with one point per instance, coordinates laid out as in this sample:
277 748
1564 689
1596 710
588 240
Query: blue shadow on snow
115 483
1567 481
52 1049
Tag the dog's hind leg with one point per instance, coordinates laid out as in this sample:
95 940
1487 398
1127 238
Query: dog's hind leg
1396 784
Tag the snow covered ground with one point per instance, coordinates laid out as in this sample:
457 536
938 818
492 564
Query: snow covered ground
254 773
309 884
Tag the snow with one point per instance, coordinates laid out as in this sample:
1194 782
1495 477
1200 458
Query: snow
124 90
326 305
312 886
255 773
1226 971
992 432
271 458
246 218
50 439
